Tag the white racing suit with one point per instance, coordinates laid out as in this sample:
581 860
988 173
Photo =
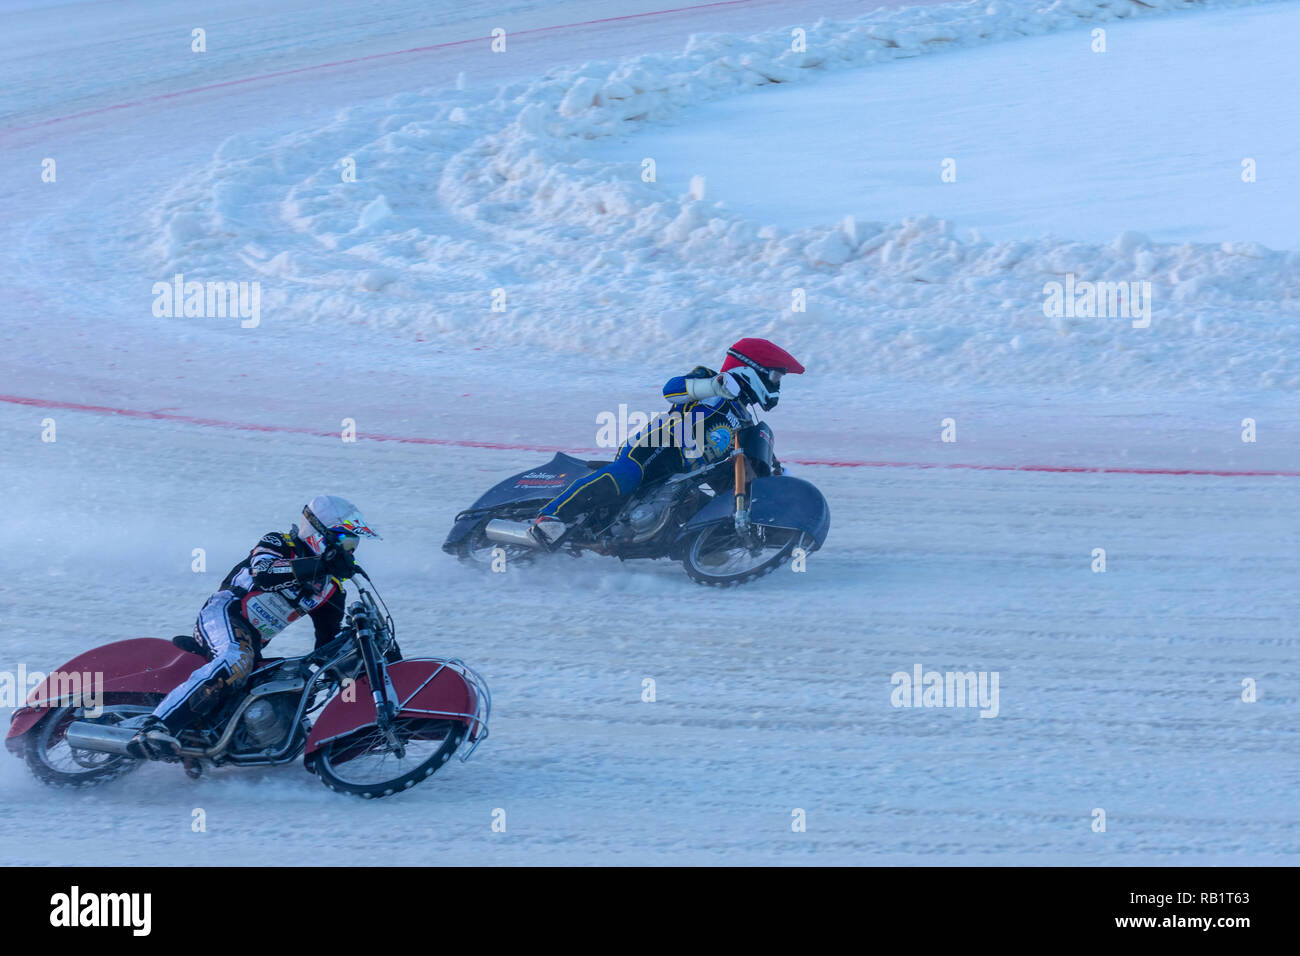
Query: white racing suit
260 597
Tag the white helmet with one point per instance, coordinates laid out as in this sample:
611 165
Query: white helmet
330 520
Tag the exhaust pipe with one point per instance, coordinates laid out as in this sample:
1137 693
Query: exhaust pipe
102 738
510 532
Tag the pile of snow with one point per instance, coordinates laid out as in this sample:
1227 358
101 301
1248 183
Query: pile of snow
461 193
1076 136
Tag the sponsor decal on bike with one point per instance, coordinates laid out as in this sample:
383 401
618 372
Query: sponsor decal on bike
542 479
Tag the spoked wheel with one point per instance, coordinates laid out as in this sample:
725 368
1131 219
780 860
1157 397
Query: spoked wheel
54 761
364 763
721 557
480 550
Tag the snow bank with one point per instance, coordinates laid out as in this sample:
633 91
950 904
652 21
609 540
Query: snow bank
460 193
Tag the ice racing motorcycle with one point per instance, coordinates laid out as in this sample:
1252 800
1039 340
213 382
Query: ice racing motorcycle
727 523
364 720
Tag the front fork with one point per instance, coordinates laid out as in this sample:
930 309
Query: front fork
744 529
381 686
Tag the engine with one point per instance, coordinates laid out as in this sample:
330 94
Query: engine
266 722
648 516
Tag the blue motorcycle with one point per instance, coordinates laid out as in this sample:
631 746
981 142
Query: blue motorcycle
728 523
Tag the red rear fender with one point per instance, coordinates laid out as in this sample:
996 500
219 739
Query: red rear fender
142 665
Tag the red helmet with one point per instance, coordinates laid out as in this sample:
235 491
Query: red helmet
759 365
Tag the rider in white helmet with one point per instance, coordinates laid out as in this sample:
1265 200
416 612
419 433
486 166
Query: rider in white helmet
286 575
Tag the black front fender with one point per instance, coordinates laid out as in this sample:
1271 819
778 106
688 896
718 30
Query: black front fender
780 501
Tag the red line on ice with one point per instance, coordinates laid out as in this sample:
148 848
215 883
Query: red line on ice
550 449
360 59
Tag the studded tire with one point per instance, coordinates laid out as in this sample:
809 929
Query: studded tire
476 549
330 762
46 739
702 574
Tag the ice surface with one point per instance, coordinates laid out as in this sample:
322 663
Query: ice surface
478 171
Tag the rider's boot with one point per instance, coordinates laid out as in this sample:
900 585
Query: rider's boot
547 531
153 741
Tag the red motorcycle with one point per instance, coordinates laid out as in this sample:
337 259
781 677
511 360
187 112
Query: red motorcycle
364 720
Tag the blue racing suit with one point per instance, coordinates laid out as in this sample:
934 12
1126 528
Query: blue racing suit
695 433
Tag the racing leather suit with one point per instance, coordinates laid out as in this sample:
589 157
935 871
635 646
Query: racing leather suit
696 433
260 597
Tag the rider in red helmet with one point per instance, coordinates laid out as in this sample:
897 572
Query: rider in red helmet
758 365
709 403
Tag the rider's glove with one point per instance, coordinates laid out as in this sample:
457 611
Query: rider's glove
726 386
307 570
339 562
719 386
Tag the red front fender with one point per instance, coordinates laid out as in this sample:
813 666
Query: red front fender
142 665
426 686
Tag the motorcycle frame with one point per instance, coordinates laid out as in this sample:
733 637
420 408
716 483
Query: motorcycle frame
362 620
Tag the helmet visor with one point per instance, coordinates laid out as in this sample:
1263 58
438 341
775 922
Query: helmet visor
345 539
771 379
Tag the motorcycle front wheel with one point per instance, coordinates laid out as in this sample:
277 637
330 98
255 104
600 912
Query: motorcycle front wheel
719 556
364 763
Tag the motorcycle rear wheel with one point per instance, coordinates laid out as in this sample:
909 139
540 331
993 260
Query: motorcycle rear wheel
477 549
53 762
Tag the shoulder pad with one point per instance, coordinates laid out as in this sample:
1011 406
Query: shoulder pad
700 371
274 539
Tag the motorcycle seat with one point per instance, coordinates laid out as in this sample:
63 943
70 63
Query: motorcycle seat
186 642
597 465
